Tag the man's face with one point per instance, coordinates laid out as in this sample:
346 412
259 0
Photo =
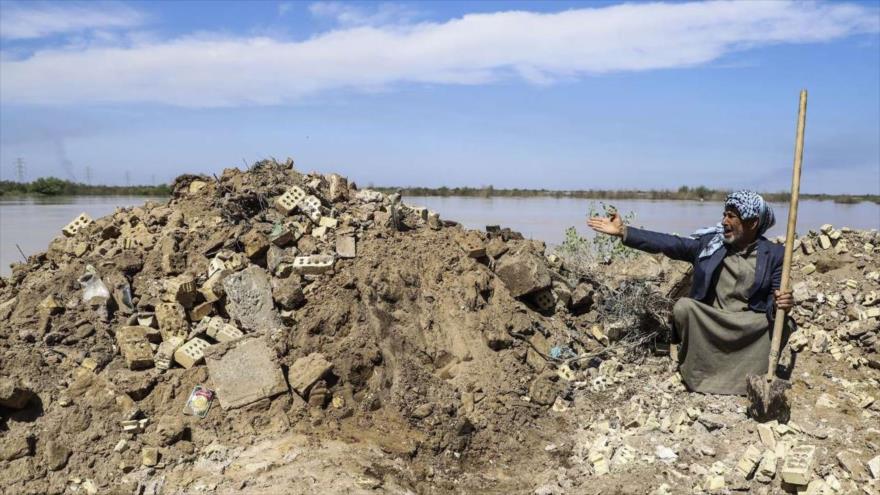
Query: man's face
736 230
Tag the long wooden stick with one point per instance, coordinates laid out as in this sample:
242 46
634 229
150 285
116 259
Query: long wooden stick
779 323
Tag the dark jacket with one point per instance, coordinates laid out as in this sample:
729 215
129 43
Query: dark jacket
768 269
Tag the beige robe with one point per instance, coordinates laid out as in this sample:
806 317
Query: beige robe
723 342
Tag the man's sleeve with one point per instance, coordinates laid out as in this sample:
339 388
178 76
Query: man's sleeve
775 284
677 248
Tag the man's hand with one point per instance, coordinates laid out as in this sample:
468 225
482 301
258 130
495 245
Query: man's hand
612 225
784 300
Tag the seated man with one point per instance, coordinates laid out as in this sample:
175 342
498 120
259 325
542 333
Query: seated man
724 325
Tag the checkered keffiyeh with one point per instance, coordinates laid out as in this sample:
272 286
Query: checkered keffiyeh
750 205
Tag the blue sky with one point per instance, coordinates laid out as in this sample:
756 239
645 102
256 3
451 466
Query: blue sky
560 95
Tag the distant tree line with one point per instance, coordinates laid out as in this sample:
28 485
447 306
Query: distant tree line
699 193
53 186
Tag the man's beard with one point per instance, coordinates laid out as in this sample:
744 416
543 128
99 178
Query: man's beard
729 241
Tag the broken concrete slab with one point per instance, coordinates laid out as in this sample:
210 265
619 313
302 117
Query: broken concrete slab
305 371
249 299
523 273
244 372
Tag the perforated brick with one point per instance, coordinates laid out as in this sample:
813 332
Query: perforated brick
76 224
797 468
288 201
221 331
191 353
172 320
314 264
544 300
165 352
311 206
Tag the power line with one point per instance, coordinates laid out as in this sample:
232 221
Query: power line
88 175
19 169
127 178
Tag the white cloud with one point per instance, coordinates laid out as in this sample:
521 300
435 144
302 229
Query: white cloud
540 48
34 20
347 14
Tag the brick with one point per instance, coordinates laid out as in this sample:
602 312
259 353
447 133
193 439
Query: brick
245 373
135 347
201 311
807 246
305 371
473 246
346 246
874 467
841 247
808 269
221 331
749 461
77 224
767 467
329 222
319 232
768 438
824 241
314 264
714 483
172 320
544 299
797 468
599 462
165 353
191 353
834 235
288 201
338 188
182 289
433 221
311 207
850 462
826 228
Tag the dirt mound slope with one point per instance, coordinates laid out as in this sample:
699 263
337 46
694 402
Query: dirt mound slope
346 342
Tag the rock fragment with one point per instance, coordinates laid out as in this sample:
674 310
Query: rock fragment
305 371
523 273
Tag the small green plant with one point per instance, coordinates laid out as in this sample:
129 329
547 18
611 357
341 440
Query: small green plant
581 255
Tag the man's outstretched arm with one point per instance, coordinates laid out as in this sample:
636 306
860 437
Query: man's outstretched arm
677 248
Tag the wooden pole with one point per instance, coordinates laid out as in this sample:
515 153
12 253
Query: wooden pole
779 323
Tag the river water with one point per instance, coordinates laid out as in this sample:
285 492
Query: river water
33 222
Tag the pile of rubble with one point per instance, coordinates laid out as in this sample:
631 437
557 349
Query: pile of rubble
296 302
396 349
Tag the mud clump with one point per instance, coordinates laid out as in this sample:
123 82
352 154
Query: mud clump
270 326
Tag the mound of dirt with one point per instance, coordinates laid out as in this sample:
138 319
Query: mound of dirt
386 325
